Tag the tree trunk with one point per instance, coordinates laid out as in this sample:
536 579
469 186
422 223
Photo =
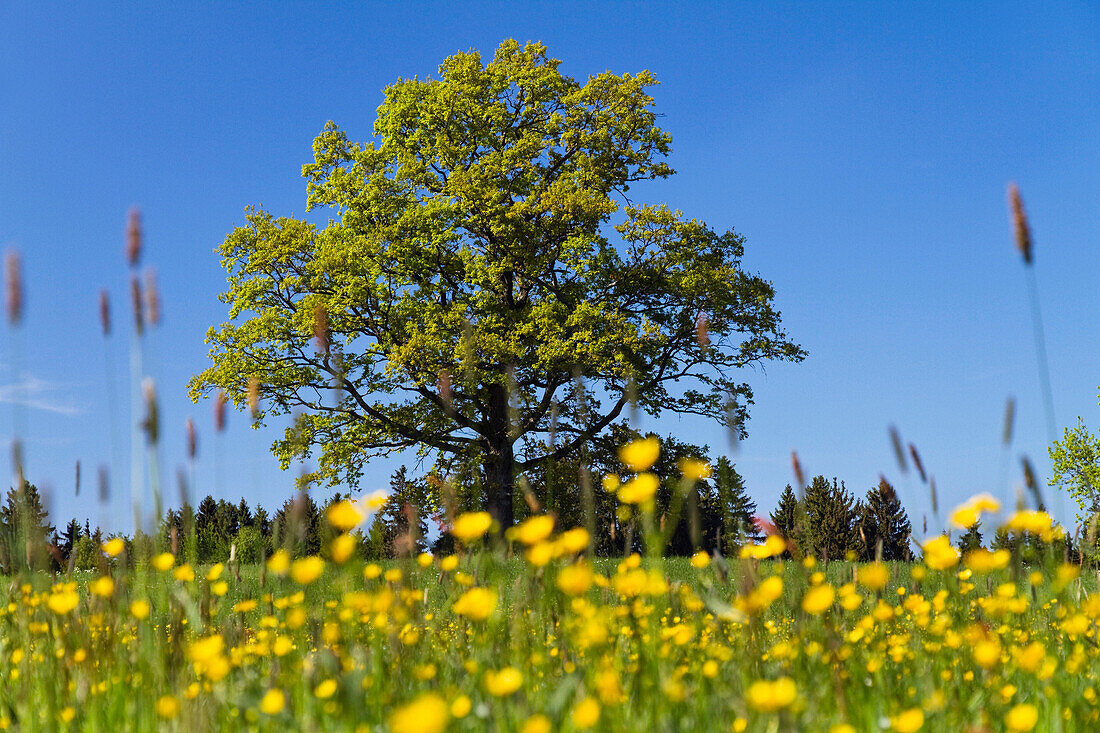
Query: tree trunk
499 466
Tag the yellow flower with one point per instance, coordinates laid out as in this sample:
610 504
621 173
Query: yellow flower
345 515
244 606
610 483
818 599
219 588
694 469
168 707
376 500
273 702
874 575
371 571
426 714
540 554
985 503
461 706
641 454
964 516
325 690
103 587
63 598
639 489
206 648
939 554
537 723
767 697
184 574
573 541
278 563
503 682
773 546
471 526
842 728
476 603
987 653
534 530
114 546
700 560
448 563
164 561
984 561
1022 717
215 571
139 609
576 579
342 548
908 721
424 559
586 713
307 569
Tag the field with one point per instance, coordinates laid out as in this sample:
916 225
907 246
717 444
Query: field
530 636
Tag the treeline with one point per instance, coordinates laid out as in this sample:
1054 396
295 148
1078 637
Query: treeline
714 513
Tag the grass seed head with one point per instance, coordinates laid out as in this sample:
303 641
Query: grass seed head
1019 223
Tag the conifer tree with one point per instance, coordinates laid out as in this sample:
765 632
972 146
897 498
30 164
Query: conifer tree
786 517
971 539
831 516
738 508
883 521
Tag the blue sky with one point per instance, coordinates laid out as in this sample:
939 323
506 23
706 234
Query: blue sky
863 150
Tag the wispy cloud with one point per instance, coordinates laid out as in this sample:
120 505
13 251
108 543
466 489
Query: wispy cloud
37 394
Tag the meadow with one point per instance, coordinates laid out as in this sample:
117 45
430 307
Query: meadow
528 634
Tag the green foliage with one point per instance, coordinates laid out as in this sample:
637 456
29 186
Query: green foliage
884 525
26 534
971 539
831 530
787 518
481 285
1076 468
737 508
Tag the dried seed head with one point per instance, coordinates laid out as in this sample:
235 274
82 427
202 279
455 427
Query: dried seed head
152 413
77 477
702 337
1010 419
320 328
254 397
13 287
192 439
133 238
934 496
1019 223
443 385
135 300
152 297
219 411
104 485
899 454
797 466
917 462
105 312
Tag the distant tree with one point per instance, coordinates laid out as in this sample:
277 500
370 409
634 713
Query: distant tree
297 525
787 518
69 538
25 531
408 500
884 524
1075 467
737 509
971 539
831 516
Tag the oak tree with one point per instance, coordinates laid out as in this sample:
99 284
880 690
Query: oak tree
483 286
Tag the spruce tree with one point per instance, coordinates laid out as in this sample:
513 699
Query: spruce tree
738 508
971 539
883 521
831 518
786 517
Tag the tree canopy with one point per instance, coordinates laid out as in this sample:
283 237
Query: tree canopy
484 287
